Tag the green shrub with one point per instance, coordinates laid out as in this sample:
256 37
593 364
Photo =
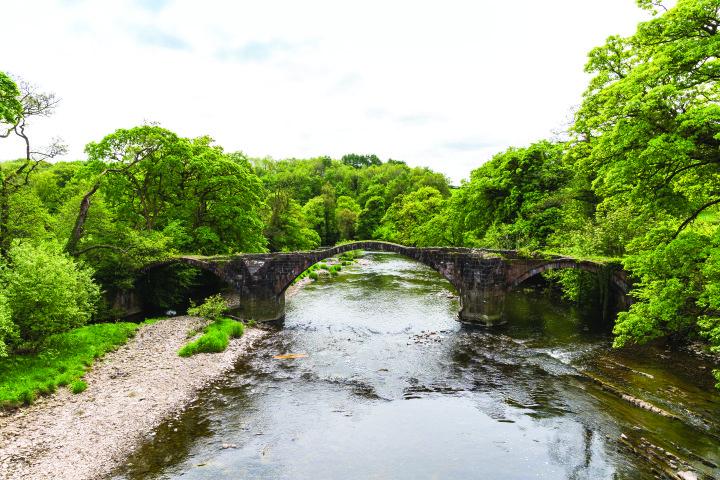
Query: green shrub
78 386
314 275
215 337
49 292
322 266
350 256
211 309
7 327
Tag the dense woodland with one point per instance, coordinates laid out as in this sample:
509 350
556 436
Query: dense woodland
636 178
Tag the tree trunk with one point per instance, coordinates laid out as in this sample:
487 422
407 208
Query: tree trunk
79 228
4 222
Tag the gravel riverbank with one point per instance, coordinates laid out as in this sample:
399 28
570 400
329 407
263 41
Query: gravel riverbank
130 391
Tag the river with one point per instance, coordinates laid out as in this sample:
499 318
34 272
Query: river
394 387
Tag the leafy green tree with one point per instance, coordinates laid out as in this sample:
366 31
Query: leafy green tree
405 221
48 291
319 212
153 180
370 217
516 199
18 106
287 229
649 125
10 105
346 214
28 217
359 161
647 138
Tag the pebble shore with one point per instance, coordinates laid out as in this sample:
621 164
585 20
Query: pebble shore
130 392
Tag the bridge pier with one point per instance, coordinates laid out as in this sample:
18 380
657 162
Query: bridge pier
261 305
482 306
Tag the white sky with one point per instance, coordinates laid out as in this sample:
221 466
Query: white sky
445 84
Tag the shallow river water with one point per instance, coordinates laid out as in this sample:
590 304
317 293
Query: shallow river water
394 387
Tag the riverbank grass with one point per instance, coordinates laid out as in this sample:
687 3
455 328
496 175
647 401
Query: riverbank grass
215 338
62 361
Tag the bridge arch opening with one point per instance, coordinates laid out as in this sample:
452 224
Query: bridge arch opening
597 292
319 256
607 273
172 286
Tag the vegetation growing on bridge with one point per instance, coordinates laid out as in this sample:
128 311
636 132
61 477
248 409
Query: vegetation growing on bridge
636 178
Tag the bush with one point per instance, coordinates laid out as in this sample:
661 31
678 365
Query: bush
49 292
7 327
215 337
211 309
78 386
314 275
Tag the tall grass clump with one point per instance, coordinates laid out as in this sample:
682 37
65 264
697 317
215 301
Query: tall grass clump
216 336
78 386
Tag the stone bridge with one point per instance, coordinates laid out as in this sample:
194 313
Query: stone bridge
481 277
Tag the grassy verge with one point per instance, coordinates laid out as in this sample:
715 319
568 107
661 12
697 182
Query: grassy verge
215 337
63 361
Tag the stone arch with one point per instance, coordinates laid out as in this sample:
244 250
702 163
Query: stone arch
314 256
217 270
192 261
618 279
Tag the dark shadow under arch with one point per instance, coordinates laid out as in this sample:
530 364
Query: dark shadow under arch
616 280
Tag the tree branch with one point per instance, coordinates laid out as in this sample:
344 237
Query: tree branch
692 217
95 247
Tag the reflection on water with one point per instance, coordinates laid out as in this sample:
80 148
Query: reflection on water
394 387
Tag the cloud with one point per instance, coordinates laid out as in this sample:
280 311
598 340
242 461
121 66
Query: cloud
152 5
418 119
255 51
151 36
470 145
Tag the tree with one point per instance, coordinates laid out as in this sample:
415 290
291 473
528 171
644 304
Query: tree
48 291
116 155
11 108
346 215
370 217
287 229
359 161
18 106
405 220
154 180
650 119
515 200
